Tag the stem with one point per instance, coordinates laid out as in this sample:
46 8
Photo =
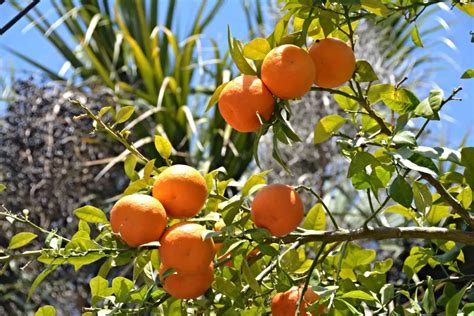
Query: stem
457 207
308 277
374 214
333 220
112 133
24 220
450 98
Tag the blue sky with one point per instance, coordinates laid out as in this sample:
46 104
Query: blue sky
459 116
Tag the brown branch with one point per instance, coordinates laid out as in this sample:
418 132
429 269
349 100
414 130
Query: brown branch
382 233
457 207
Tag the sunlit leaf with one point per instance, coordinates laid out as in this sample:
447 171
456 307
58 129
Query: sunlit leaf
21 240
326 126
256 49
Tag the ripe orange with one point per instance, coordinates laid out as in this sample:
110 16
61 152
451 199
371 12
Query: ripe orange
138 218
187 286
241 99
182 190
334 61
288 71
184 249
284 304
278 208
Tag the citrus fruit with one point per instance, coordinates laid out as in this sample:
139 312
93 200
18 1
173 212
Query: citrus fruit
184 249
278 208
241 100
284 304
182 190
138 218
288 71
187 285
334 62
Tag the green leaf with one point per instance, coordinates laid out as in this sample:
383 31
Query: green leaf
375 93
465 197
415 36
99 289
365 72
344 102
129 166
398 209
361 160
422 196
215 96
328 21
124 114
467 160
401 191
257 49
401 101
226 287
254 182
103 111
358 294
469 73
429 302
404 138
163 146
315 218
235 48
46 310
417 259
2 187
40 279
122 287
387 293
452 307
250 277
326 126
351 308
437 213
375 6
439 153
148 169
91 214
21 239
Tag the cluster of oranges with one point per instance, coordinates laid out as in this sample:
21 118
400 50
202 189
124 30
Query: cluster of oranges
287 72
180 192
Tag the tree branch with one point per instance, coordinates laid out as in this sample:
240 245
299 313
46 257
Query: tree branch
382 233
457 207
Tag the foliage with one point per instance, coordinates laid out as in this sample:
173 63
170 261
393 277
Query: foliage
384 159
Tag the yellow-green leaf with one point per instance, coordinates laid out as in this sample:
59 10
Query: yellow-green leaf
257 49
469 73
215 96
437 213
46 310
375 6
316 218
91 214
415 36
163 146
326 126
21 240
124 114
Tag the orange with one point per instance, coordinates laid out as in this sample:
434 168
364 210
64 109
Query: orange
184 249
138 218
182 190
278 208
241 100
284 304
187 286
334 61
288 71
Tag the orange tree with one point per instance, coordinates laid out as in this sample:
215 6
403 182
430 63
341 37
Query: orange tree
258 251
